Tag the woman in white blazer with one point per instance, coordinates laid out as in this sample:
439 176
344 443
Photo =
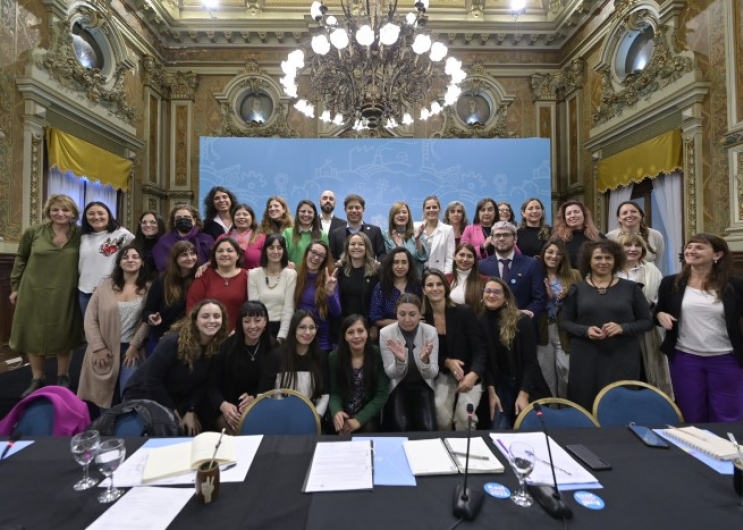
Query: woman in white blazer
437 236
410 354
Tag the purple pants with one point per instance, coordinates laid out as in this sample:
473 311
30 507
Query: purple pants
708 389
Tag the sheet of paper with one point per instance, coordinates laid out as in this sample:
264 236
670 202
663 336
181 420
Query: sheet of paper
130 472
390 463
570 474
482 459
721 466
18 446
429 457
340 466
145 507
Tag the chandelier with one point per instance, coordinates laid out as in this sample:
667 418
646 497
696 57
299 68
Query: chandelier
374 68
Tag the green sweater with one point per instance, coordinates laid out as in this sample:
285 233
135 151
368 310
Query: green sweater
374 402
296 252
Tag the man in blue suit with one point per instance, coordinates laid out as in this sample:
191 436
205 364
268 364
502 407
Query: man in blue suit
524 275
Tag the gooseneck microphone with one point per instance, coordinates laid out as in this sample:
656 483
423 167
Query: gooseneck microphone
549 496
467 503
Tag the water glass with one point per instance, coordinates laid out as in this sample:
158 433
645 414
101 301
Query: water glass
110 456
522 461
84 446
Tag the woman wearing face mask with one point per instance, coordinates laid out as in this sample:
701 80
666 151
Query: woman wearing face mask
466 282
631 220
574 226
102 238
397 276
225 280
533 231
298 364
43 287
219 206
306 229
400 233
317 291
247 234
410 354
274 284
638 270
461 353
185 225
166 300
437 237
236 371
176 374
276 217
478 234
512 375
149 230
456 217
115 330
358 385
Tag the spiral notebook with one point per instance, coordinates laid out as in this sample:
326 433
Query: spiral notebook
704 441
447 456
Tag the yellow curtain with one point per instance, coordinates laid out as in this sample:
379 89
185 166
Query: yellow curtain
662 154
72 154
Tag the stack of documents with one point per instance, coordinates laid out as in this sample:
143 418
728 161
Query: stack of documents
570 474
340 466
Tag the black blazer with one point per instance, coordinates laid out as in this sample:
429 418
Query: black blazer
464 340
522 357
336 222
669 301
337 240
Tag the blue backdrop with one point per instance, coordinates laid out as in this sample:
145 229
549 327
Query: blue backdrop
382 171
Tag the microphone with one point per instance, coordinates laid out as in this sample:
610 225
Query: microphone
549 496
467 503
14 437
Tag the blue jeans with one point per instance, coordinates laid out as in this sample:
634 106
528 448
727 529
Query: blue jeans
83 299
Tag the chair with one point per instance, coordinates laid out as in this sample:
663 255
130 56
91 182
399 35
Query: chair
623 402
137 417
568 416
37 419
280 412
129 424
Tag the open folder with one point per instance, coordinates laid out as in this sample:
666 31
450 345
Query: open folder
390 463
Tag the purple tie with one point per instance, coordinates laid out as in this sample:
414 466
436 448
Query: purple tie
506 269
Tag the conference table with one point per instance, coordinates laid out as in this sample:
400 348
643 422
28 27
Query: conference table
646 489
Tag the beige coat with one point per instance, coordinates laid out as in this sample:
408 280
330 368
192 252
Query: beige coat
103 332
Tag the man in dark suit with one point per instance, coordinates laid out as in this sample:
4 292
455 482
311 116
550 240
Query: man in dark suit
524 275
327 206
354 205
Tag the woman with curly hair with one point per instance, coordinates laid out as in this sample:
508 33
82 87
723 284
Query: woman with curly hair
219 206
176 374
276 216
115 330
574 226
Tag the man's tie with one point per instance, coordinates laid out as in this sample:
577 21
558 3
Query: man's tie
506 269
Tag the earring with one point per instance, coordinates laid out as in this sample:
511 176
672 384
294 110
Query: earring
714 262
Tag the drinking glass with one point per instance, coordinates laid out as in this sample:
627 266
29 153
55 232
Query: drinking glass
110 456
522 461
84 447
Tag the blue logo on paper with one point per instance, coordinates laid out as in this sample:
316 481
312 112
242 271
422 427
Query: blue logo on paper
589 500
499 491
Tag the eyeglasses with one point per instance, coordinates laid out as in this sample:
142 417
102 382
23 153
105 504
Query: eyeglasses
494 292
318 255
310 328
502 236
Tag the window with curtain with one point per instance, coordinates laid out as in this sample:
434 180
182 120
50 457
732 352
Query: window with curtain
82 190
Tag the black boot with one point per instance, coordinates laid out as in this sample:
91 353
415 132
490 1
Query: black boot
33 387
63 381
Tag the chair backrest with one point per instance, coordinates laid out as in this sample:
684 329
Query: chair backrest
129 424
37 419
569 415
623 402
280 412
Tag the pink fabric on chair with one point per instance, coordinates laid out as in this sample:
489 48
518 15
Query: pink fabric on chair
71 414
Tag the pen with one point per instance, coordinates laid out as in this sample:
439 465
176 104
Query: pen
228 466
503 446
473 457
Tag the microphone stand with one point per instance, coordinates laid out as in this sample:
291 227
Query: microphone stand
549 496
467 503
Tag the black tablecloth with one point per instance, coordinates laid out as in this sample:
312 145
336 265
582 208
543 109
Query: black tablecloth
647 489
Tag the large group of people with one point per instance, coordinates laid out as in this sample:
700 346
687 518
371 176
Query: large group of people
397 329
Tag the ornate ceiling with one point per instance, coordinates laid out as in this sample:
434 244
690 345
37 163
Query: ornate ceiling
462 24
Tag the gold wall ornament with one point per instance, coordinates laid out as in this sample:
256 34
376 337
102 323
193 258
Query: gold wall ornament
663 68
558 85
180 85
277 126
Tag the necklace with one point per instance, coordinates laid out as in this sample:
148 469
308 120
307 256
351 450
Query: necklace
601 290
254 352
277 278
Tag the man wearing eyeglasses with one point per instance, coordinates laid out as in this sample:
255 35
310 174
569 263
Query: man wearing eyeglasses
523 274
